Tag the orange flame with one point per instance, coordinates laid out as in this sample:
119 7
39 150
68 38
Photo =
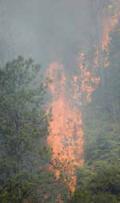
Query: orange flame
85 83
110 21
66 136
89 81
66 127
66 132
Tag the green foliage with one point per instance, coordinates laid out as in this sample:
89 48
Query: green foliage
102 115
98 183
23 129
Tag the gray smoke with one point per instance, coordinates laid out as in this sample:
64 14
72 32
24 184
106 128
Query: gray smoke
47 30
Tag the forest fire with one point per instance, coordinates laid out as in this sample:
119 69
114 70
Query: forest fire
89 81
66 137
60 101
66 132
109 24
110 21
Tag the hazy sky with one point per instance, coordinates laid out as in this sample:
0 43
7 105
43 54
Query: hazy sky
46 30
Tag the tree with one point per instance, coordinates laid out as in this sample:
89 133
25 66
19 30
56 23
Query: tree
98 183
23 129
102 115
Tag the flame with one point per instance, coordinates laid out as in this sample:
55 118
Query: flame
85 83
66 131
66 134
110 21
89 81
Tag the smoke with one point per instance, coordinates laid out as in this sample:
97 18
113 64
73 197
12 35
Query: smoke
62 31
47 30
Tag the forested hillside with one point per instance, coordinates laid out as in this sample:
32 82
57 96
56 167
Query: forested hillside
99 181
60 101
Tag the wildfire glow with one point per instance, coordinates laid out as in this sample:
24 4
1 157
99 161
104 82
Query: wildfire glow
110 21
66 135
66 132
89 81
